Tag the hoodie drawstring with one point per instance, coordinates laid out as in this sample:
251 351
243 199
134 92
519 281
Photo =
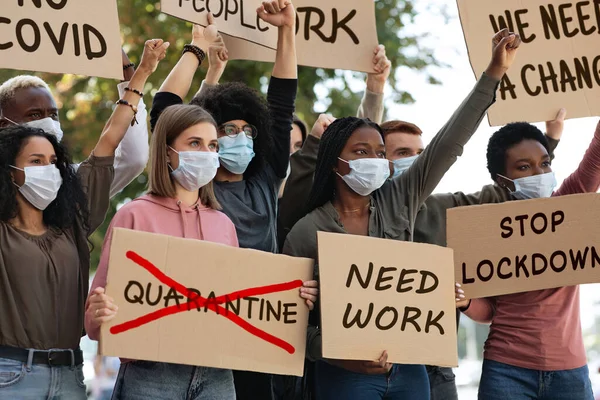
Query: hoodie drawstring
183 221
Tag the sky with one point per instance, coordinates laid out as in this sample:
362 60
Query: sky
434 104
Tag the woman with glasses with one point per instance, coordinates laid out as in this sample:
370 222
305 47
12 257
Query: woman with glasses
253 138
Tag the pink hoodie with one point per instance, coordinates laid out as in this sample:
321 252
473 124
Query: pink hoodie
168 217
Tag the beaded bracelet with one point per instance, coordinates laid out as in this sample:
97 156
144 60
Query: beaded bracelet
197 51
133 108
128 89
130 65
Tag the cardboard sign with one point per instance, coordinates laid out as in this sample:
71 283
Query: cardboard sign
379 294
200 303
522 246
557 66
327 31
62 36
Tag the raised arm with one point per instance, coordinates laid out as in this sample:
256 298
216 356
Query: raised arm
554 131
586 178
217 58
281 94
124 114
417 183
292 205
131 156
371 105
177 85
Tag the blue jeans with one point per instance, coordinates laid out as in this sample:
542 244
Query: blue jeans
403 382
36 382
501 381
442 383
146 380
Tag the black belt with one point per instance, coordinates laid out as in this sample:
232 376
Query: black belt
53 358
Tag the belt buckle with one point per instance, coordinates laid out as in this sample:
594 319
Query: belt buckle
55 358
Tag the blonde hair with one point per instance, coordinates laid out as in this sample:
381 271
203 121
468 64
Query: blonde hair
10 87
171 123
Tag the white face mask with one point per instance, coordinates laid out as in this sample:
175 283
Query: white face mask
196 168
402 164
535 186
366 174
48 125
41 185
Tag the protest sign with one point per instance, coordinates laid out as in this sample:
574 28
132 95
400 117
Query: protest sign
199 303
61 36
557 66
327 31
379 294
522 246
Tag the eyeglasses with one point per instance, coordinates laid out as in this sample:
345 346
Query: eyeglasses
232 130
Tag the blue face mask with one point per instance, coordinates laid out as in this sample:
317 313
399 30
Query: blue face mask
236 152
402 164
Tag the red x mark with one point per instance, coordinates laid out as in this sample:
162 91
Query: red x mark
212 304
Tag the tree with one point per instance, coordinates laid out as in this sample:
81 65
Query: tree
86 103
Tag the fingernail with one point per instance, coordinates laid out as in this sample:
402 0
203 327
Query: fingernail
461 291
462 296
458 285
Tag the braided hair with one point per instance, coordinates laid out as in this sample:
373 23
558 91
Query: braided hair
333 141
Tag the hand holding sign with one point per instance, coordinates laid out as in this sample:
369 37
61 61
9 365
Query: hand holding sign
504 51
310 292
382 66
554 128
279 13
154 51
378 367
100 308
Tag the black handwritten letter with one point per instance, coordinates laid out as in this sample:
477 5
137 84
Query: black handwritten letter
422 289
538 271
578 259
158 297
501 275
287 313
137 298
466 280
403 280
564 261
434 322
356 320
558 218
88 30
526 86
343 24
37 39
416 313
507 86
381 278
383 311
356 272
505 226
59 44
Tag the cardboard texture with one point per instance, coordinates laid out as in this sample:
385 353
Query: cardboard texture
197 335
559 61
494 254
70 37
399 289
330 33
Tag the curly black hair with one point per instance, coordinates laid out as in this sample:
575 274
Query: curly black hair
332 143
236 100
507 137
71 201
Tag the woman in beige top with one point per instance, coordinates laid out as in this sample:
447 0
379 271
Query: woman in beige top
47 212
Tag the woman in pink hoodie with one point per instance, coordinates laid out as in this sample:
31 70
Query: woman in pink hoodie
180 202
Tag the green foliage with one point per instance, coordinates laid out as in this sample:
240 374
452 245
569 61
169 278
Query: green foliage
86 103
